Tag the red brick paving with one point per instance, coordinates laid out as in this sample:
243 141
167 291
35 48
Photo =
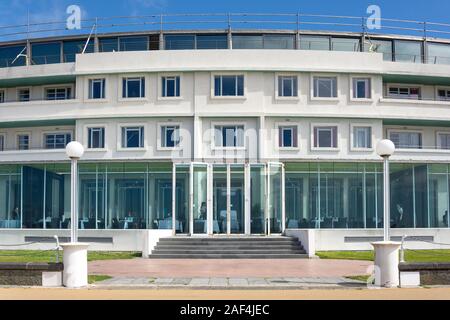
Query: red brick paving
228 268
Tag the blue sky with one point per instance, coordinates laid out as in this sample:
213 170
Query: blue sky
15 11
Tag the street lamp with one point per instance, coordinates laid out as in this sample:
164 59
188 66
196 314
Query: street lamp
385 149
74 151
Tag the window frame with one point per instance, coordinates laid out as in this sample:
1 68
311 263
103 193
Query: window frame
389 131
3 95
402 86
236 97
3 138
447 90
18 135
159 141
66 87
284 125
120 146
88 136
325 125
438 145
227 124
313 83
160 86
90 82
141 98
353 126
18 89
55 132
352 88
277 89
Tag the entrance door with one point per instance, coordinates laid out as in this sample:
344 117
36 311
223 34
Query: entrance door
199 199
180 198
258 198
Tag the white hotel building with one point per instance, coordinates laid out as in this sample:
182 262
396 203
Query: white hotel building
224 132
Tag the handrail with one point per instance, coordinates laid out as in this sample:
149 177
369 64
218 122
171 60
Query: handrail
224 20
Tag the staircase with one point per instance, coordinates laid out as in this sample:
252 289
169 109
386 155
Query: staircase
276 247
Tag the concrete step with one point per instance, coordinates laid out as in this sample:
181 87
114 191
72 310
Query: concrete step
228 256
256 251
223 242
231 247
229 239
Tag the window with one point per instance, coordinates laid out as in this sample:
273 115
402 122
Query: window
345 44
108 44
362 88
170 136
96 138
325 137
8 55
379 46
408 51
134 43
23 142
97 88
212 41
133 87
2 96
314 43
225 86
444 141
362 137
229 136
46 53
179 42
2 142
406 140
287 86
443 94
23 95
325 87
57 140
58 93
72 48
400 92
288 137
170 87
438 53
133 137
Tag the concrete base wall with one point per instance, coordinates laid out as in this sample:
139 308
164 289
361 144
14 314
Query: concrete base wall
134 240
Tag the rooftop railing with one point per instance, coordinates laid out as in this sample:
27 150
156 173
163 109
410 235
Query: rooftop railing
225 21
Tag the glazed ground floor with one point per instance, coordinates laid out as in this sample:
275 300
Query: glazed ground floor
224 199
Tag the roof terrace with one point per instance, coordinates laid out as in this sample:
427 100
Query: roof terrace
51 43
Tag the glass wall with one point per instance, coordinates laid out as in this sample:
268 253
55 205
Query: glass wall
8 55
438 53
257 199
380 46
46 53
72 48
408 51
263 41
10 197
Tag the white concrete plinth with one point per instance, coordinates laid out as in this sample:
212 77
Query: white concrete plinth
386 263
75 273
410 279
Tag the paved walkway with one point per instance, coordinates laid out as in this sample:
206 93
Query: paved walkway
246 268
229 283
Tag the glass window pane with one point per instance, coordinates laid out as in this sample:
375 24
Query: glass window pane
345 44
212 42
46 53
380 46
314 43
438 53
108 44
72 48
248 42
408 51
179 42
279 41
133 43
9 54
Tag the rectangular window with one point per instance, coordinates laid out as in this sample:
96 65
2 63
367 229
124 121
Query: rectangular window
2 96
226 86
23 142
96 138
325 87
404 92
2 142
325 137
408 51
170 87
58 93
406 140
57 140
229 136
362 137
362 88
133 87
287 86
444 141
132 137
97 88
288 137
23 95
170 136
444 94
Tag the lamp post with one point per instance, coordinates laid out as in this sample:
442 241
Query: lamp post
386 251
74 151
75 274
385 149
